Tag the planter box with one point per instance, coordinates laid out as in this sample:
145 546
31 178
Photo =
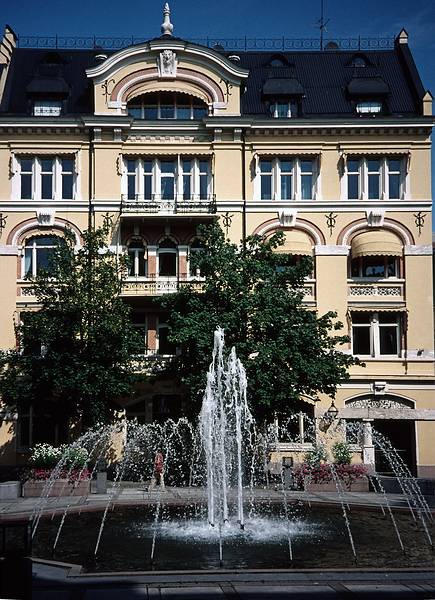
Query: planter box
10 490
360 485
61 487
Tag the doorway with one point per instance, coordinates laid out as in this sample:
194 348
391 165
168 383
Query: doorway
401 433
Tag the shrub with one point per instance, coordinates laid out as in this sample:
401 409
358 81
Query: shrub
316 456
45 456
342 453
74 456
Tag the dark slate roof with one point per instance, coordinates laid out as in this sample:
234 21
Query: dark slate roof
282 86
328 81
324 76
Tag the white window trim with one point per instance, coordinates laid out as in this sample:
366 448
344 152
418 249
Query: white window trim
156 187
37 174
296 179
375 337
137 252
383 178
176 99
34 248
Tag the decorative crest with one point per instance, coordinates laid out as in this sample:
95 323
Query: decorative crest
167 27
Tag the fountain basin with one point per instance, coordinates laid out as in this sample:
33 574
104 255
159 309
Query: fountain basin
185 541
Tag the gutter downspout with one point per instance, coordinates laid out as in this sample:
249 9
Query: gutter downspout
243 188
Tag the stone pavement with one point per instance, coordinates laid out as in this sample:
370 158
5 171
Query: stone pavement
131 494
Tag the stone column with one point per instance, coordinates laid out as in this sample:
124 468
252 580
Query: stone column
367 444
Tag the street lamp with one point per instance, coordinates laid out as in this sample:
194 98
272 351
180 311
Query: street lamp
331 414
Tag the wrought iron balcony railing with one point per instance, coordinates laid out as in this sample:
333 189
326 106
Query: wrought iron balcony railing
156 285
158 205
242 44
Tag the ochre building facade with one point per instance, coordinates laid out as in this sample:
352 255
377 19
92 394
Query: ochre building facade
331 147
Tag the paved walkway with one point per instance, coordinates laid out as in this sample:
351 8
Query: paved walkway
24 507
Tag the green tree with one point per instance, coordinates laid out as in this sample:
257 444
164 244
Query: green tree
74 354
256 295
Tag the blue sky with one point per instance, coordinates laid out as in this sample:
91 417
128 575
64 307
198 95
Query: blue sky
230 18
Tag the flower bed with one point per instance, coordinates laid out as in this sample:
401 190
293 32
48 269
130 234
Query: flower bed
69 483
320 477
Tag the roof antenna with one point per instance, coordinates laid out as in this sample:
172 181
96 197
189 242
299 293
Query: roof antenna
167 27
322 24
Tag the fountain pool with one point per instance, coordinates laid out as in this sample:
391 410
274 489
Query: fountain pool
185 541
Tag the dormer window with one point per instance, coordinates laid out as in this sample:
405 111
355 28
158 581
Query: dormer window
167 105
282 109
369 107
359 62
47 108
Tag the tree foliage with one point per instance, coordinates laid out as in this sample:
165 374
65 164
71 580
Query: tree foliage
256 295
74 354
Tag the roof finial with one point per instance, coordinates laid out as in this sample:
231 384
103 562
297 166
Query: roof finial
167 27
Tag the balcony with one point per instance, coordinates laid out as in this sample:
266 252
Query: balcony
391 291
159 206
156 286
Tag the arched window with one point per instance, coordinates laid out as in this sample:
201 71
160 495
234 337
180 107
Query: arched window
168 258
137 259
167 105
38 251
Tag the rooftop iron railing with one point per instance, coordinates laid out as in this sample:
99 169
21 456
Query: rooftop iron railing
242 44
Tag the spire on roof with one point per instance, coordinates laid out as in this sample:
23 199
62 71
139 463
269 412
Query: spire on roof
167 27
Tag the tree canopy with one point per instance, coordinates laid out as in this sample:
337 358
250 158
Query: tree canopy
256 295
74 354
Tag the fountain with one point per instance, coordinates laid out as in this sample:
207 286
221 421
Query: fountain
219 508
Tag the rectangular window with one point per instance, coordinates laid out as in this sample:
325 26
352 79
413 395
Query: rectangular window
266 179
374 177
376 334
26 178
306 179
353 179
187 179
67 165
167 179
375 267
394 179
131 179
204 167
286 178
147 179
166 347
287 167
47 108
47 178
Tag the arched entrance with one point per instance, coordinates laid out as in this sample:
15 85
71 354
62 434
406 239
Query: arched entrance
393 417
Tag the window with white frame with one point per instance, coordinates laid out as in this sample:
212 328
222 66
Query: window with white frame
376 334
167 257
369 107
180 178
287 178
283 109
375 177
38 252
374 267
45 178
137 255
167 105
47 108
